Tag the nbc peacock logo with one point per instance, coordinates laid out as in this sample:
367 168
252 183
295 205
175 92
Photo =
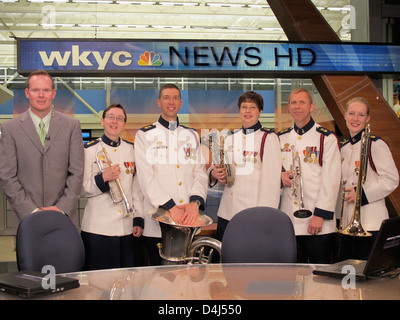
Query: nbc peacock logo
150 59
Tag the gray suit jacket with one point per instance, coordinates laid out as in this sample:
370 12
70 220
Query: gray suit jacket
32 176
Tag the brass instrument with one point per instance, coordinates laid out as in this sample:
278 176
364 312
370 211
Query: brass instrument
297 186
229 179
343 182
116 191
178 247
355 228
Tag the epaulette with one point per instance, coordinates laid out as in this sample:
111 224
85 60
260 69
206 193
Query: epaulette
127 141
91 143
147 128
285 131
324 131
375 138
181 125
343 143
267 130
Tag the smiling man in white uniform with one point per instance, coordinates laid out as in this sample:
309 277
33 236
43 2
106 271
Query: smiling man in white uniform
170 171
318 149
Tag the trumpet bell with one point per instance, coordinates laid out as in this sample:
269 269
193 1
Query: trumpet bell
302 213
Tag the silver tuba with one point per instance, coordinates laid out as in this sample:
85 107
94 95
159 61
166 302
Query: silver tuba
297 186
178 247
116 191
355 228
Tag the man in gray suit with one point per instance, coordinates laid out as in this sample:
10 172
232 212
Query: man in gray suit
41 168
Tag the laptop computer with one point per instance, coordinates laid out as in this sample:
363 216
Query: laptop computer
384 256
31 284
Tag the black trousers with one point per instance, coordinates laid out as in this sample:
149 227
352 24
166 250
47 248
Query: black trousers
315 249
106 252
221 226
153 254
352 247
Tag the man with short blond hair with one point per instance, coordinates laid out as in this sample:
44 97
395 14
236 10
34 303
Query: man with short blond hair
41 155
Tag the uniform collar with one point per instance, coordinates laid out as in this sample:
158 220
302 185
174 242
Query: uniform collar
252 129
306 128
356 138
170 125
110 142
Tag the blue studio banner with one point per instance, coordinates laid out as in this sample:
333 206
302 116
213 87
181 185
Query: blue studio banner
154 58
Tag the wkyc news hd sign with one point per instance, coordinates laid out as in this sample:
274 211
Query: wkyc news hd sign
156 58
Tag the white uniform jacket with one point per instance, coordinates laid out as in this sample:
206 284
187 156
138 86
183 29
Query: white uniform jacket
101 216
382 178
255 160
318 149
170 169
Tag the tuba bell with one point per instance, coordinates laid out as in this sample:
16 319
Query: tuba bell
355 228
178 247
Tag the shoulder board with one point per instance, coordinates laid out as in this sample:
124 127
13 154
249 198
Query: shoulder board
128 142
375 138
285 131
149 127
181 125
91 143
343 143
324 131
267 130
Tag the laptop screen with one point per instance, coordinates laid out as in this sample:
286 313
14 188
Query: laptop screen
385 254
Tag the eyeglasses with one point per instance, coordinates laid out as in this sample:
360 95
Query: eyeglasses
251 108
111 117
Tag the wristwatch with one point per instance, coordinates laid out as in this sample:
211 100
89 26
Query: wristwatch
197 202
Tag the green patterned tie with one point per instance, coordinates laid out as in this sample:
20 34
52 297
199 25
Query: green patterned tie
42 132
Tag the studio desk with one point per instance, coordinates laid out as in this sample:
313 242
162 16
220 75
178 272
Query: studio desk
223 282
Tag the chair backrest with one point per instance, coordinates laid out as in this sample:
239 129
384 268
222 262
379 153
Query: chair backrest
259 235
49 238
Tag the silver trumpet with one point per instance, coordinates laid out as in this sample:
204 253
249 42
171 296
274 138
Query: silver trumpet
178 247
117 193
355 228
297 186
229 179
218 157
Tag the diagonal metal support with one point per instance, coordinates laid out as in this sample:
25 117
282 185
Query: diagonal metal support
87 105
302 21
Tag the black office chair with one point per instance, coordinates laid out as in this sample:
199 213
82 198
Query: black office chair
259 235
49 238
